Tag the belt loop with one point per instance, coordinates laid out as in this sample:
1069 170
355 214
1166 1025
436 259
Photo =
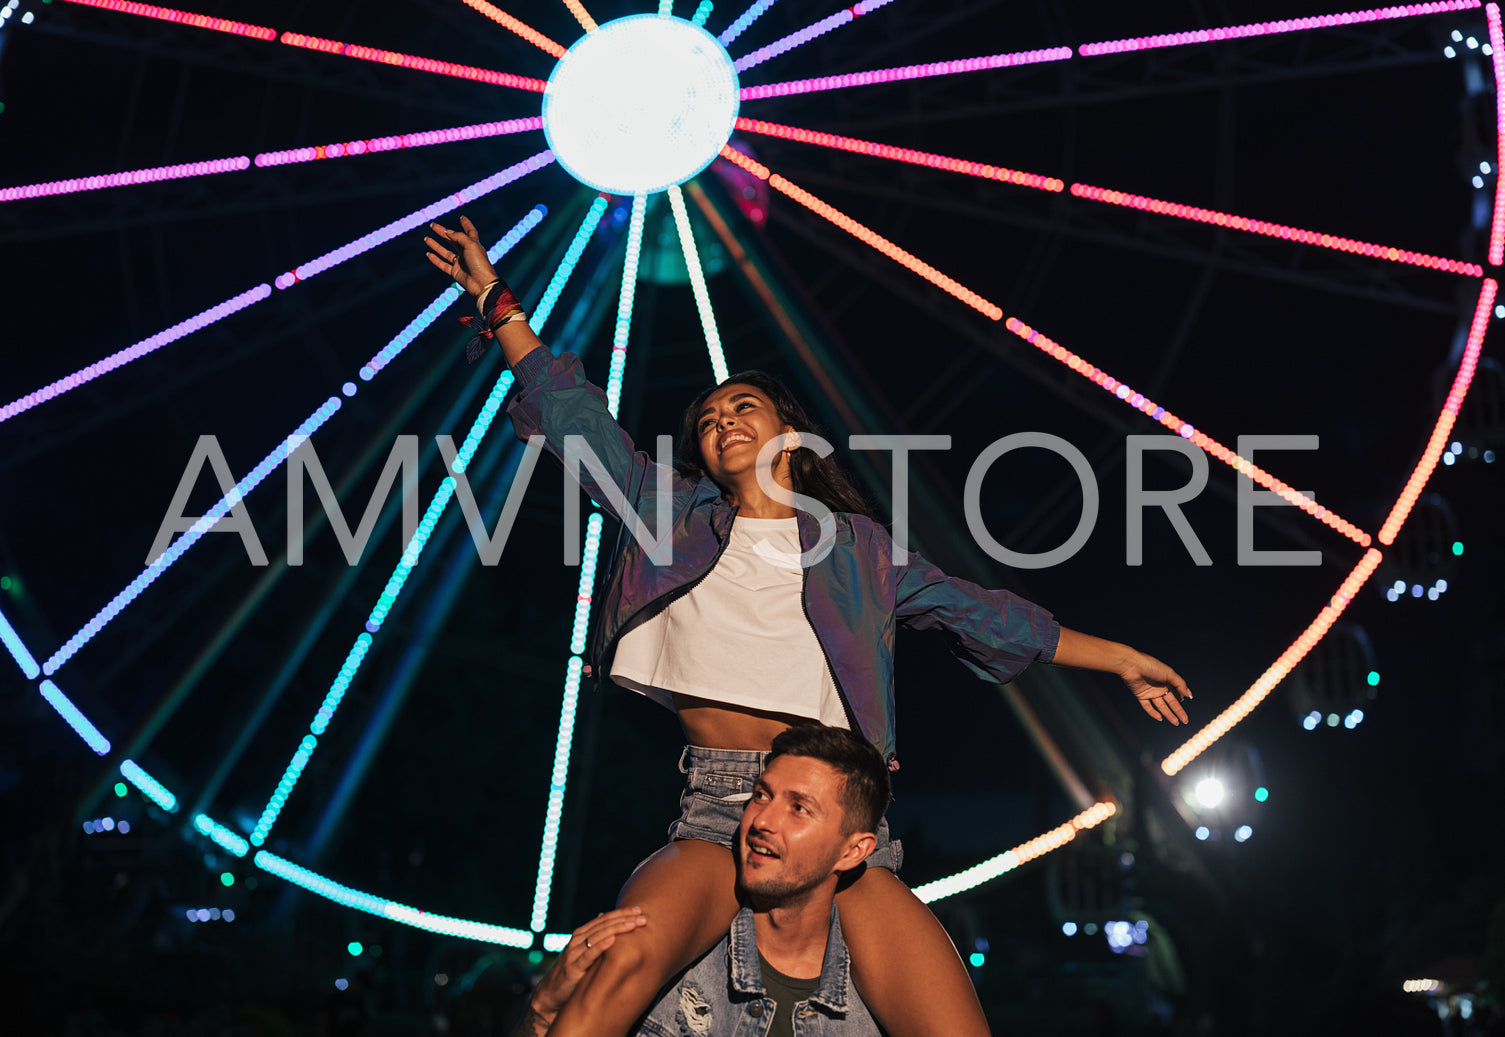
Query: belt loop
682 754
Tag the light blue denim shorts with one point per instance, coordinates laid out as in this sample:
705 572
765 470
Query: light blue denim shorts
718 784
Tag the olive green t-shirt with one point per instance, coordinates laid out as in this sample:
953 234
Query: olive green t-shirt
786 992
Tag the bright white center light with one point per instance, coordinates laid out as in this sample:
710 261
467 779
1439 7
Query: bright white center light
640 104
1209 792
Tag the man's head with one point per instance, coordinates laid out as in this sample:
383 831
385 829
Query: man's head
813 813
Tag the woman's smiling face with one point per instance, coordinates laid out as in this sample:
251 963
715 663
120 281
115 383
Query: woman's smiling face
733 425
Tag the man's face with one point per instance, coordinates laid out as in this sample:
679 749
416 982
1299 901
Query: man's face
791 837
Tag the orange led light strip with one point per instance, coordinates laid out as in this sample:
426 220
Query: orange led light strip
1185 430
1275 230
863 233
918 158
1040 845
1445 419
392 57
1224 721
581 15
517 25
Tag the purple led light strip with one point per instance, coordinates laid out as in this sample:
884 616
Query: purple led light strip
1232 32
889 75
404 140
808 33
140 349
128 178
415 219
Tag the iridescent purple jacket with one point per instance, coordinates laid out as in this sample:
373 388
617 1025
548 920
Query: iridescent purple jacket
855 597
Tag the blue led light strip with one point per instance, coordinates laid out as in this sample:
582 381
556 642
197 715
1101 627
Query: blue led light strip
227 839
384 908
559 775
388 598
149 786
567 266
76 719
697 284
745 19
18 650
624 303
159 564
445 299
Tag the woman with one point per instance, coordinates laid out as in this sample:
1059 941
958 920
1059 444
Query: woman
765 616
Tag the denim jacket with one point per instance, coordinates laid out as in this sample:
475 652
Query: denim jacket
855 597
722 994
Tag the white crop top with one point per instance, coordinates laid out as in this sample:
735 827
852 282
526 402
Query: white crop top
740 636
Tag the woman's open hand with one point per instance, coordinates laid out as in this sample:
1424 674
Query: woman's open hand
461 256
1158 688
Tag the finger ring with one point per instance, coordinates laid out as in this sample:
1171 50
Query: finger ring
587 943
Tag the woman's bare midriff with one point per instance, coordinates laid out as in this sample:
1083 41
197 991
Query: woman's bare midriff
716 725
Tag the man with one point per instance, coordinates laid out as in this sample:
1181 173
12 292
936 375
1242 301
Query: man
782 970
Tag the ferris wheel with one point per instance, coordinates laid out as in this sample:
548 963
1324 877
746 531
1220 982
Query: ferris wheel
659 111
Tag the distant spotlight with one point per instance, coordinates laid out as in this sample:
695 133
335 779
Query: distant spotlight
1069 928
977 958
342 983
1332 720
1449 51
355 948
1478 180
1242 833
1311 720
1203 832
1209 792
1261 794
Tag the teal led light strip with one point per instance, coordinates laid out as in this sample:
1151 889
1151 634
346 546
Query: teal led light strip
75 717
567 266
149 786
18 649
697 284
559 775
159 564
226 838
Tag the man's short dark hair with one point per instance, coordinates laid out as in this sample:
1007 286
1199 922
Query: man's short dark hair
865 787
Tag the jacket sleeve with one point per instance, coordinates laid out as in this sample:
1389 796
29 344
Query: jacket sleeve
557 401
995 633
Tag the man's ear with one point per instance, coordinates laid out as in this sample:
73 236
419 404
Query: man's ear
860 846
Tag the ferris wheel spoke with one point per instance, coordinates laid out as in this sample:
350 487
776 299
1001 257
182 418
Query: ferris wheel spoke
888 151
746 18
903 72
697 284
517 25
864 234
581 15
297 39
287 156
1497 62
1273 28
808 33
1275 230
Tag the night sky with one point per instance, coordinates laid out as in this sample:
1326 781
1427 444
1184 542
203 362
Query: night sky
1376 856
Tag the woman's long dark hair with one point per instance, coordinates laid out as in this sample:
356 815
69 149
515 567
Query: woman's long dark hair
812 475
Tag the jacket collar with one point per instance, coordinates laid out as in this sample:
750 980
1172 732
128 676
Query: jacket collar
745 975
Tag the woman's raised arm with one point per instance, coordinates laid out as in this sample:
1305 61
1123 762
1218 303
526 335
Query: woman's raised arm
460 255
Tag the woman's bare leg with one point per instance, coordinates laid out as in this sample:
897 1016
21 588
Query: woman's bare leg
904 964
688 894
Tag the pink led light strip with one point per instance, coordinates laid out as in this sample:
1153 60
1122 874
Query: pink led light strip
1319 627
1497 61
1274 230
392 57
890 75
1445 419
127 178
1185 430
1233 32
1241 707
863 234
404 140
132 177
518 26
919 158
168 14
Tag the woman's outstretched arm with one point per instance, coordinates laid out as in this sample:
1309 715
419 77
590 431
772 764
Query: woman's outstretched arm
460 255
1158 688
